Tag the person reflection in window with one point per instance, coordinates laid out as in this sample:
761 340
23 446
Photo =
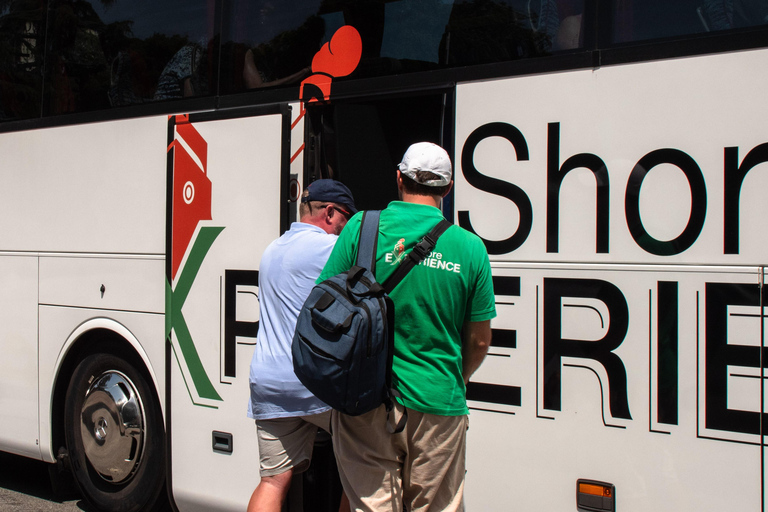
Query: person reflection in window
184 75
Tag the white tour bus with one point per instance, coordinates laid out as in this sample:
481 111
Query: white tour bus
611 154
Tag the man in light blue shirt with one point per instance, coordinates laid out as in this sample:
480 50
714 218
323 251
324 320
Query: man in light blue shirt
287 415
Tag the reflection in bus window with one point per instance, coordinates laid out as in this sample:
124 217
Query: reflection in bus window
21 58
481 32
76 64
286 58
725 14
637 20
108 53
413 30
185 74
570 28
268 43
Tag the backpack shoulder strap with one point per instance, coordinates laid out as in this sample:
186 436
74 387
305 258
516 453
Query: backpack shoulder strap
419 252
369 235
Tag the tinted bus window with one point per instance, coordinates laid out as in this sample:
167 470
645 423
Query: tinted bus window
480 32
21 58
269 43
111 53
637 20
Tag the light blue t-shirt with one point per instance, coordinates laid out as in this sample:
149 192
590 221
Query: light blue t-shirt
287 274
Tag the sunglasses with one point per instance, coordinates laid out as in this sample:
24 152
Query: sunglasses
345 213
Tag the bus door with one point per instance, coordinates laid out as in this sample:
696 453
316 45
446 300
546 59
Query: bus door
361 141
228 198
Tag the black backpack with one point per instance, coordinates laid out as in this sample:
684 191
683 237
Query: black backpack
344 339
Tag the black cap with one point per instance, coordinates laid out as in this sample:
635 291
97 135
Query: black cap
330 191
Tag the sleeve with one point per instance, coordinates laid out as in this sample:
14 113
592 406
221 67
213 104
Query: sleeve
344 252
482 301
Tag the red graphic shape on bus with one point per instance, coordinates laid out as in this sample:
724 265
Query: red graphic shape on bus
341 55
191 191
338 57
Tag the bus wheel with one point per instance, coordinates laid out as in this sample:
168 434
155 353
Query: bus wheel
114 433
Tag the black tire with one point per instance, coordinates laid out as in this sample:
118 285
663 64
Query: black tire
115 437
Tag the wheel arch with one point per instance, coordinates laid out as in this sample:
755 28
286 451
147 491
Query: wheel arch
100 335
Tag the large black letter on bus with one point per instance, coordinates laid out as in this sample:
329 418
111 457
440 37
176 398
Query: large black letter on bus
555 177
698 186
503 286
498 187
556 347
667 358
734 178
723 352
232 327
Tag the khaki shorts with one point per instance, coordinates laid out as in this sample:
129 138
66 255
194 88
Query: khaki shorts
419 469
286 443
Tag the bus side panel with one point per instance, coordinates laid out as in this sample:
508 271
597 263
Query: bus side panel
86 189
660 162
18 365
644 378
111 283
629 191
214 451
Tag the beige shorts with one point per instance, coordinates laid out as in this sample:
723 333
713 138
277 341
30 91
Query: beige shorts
286 443
419 469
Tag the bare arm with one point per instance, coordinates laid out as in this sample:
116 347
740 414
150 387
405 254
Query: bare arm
253 79
295 77
476 338
250 73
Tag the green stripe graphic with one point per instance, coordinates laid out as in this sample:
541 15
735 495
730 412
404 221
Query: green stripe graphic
202 245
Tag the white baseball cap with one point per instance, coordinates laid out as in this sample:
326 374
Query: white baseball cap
426 156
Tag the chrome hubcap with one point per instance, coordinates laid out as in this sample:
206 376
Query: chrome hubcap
112 426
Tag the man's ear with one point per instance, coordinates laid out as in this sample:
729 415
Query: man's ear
450 186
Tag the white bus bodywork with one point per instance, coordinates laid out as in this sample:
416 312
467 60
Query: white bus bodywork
83 217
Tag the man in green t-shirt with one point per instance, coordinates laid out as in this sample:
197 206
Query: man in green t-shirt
443 310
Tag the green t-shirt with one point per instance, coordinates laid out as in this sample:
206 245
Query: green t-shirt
451 287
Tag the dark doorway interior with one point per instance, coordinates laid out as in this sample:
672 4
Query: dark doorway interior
361 142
